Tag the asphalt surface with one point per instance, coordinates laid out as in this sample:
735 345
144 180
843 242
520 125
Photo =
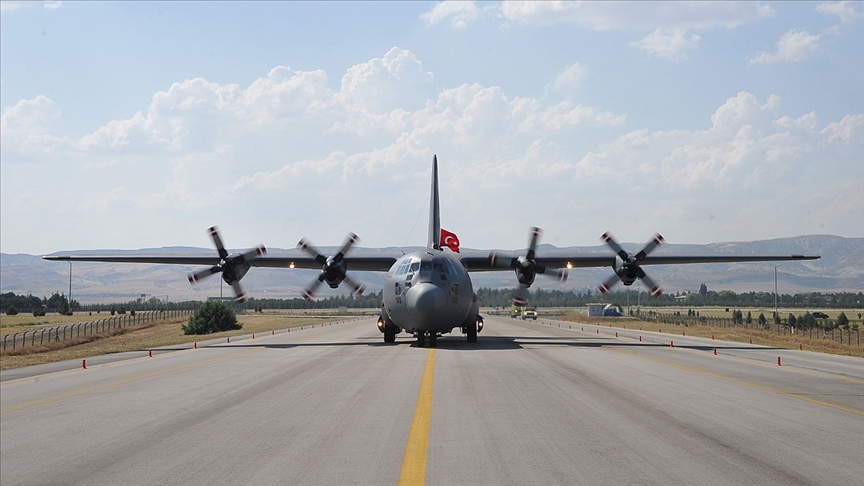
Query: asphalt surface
529 403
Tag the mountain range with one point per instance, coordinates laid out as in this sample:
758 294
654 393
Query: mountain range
841 269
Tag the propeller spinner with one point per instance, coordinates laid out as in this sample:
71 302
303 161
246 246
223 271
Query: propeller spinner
629 269
334 269
232 266
527 268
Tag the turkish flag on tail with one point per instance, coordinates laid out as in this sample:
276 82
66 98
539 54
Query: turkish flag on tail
450 240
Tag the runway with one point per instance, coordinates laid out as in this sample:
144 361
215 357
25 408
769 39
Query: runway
529 403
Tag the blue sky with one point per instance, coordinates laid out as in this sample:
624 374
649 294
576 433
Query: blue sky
141 124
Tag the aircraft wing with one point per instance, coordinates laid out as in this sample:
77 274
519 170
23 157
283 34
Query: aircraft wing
508 260
372 263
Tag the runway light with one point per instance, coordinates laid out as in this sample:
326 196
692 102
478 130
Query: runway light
671 344
569 265
778 361
715 351
84 364
291 265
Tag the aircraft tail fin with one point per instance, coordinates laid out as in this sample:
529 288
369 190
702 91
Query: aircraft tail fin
434 211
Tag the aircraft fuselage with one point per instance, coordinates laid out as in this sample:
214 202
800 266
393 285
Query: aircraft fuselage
428 291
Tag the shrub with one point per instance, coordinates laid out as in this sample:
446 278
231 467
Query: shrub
39 311
212 316
11 310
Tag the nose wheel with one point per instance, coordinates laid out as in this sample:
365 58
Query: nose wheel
423 337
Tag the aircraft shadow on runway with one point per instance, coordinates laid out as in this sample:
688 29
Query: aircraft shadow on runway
501 343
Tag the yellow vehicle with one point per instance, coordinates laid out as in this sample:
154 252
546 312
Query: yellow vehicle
529 313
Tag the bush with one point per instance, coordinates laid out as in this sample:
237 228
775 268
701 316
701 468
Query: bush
11 310
39 311
212 316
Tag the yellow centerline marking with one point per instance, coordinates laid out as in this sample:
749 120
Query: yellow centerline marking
414 463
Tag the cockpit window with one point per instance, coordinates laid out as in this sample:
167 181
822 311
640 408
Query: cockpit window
425 266
415 266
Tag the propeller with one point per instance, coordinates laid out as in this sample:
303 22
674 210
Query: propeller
334 268
629 269
232 266
526 268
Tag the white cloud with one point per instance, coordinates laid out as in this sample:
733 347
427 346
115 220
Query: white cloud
794 46
459 13
357 157
568 78
12 5
625 15
668 43
845 10
745 147
24 127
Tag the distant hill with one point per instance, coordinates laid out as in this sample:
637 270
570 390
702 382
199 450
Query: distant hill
840 269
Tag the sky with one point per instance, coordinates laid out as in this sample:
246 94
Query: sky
131 125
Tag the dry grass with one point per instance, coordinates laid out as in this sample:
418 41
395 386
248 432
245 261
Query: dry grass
163 333
764 338
27 322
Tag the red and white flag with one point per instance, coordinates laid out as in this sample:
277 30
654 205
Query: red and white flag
450 240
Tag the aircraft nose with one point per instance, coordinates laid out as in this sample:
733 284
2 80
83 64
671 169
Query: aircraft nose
426 299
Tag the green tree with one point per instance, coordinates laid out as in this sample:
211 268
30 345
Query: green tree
212 316
843 321
762 320
703 290
791 320
12 310
63 310
749 319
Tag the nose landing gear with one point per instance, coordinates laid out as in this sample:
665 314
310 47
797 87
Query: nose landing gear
422 337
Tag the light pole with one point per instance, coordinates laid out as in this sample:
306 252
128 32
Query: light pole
70 288
776 315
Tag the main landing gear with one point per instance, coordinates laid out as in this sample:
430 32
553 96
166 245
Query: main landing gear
423 336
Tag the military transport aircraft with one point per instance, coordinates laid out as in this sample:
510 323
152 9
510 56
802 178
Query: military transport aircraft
428 292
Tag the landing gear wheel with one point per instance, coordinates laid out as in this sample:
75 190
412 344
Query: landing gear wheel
433 339
389 336
472 333
421 339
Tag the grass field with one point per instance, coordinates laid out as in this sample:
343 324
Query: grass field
741 335
164 333
26 322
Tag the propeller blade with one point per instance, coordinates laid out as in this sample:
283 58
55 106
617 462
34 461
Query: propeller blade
532 247
239 295
498 260
349 242
356 287
521 295
214 233
254 253
306 246
607 238
655 289
196 276
658 238
609 283
309 291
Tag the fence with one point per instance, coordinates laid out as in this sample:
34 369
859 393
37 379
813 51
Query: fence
40 337
781 329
